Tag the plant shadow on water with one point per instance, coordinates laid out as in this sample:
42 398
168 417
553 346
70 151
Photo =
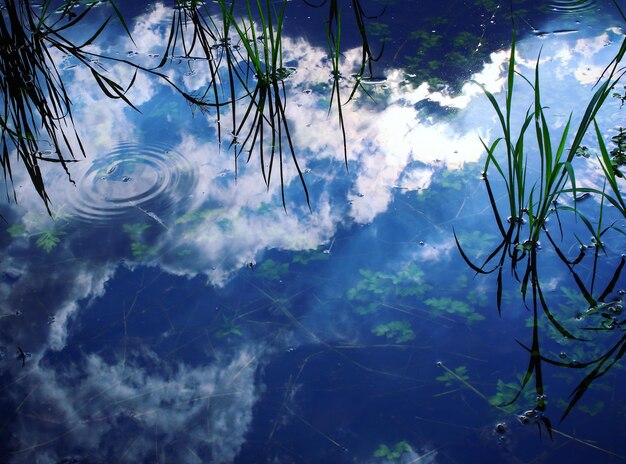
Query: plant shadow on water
531 202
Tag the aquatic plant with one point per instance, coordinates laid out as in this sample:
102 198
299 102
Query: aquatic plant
138 247
39 123
306 257
393 453
398 331
365 73
532 200
37 120
48 235
451 306
272 270
449 378
48 239
229 328
266 106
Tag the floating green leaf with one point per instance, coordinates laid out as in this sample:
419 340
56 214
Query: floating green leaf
18 231
394 453
407 282
451 306
306 257
49 238
195 217
270 269
139 249
399 331
229 328
592 409
450 379
134 231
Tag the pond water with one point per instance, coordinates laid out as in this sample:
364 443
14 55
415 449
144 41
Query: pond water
183 303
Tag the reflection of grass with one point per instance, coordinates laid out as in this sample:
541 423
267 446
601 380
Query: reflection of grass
532 198
37 120
266 107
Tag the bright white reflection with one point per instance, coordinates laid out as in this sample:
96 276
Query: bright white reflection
123 407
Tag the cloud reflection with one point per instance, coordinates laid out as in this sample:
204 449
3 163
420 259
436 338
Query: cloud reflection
146 408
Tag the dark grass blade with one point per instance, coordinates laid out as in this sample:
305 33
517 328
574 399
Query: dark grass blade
596 373
611 285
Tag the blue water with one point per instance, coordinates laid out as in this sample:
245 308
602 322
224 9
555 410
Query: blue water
172 310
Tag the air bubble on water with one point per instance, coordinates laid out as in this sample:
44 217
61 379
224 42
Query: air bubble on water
500 428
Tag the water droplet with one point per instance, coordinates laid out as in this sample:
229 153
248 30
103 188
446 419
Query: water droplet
563 355
291 349
126 179
307 91
439 364
422 243
18 312
500 428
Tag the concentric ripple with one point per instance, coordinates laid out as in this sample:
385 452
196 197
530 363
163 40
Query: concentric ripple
131 178
572 6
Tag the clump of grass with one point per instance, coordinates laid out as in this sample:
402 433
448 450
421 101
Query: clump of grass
266 109
36 120
531 200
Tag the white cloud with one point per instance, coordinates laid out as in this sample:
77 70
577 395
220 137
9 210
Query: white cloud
147 405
